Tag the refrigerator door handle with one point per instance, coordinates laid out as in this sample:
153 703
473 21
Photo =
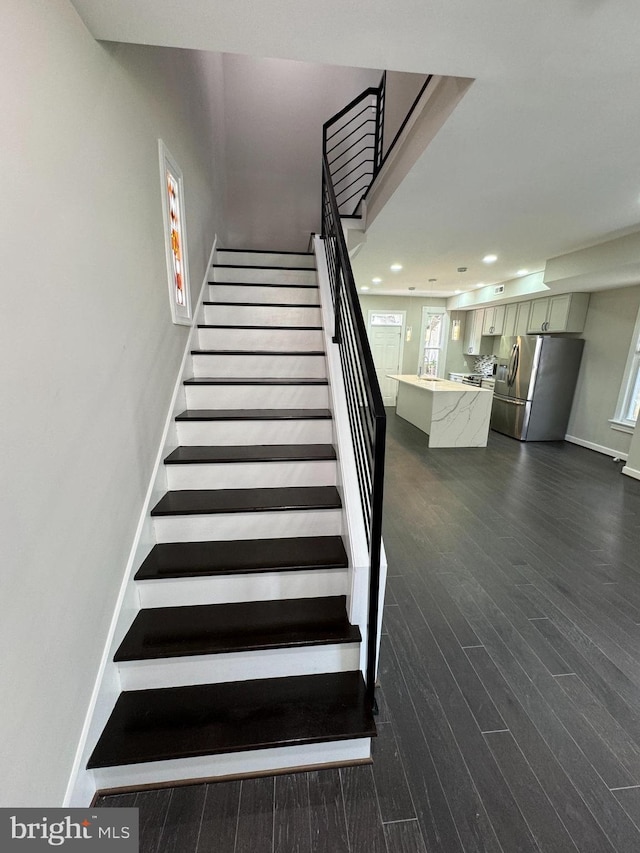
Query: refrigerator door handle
511 400
511 368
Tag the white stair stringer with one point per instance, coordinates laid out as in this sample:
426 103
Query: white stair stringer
238 666
233 764
354 527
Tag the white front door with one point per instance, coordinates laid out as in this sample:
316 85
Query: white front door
386 348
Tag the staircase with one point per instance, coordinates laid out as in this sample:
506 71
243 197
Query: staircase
242 659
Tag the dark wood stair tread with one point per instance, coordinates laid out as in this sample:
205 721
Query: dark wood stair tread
266 283
255 380
244 556
266 251
208 719
259 267
246 626
256 352
207 501
272 328
253 414
260 304
188 455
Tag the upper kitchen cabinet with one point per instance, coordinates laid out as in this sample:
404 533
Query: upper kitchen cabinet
566 312
516 319
473 330
493 323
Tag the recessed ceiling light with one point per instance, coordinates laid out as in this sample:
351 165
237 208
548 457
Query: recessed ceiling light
490 259
480 284
364 287
411 288
522 272
457 291
433 279
395 267
376 280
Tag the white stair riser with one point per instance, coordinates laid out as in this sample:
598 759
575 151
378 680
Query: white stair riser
251 525
266 259
234 764
262 315
260 294
261 339
255 432
257 397
239 666
257 275
251 586
269 366
248 475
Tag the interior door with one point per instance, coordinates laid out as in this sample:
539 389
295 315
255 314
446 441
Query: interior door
385 347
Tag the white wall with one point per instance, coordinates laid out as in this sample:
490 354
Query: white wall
401 91
274 112
608 330
89 355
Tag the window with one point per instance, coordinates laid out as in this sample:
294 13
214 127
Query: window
175 236
387 319
628 406
433 340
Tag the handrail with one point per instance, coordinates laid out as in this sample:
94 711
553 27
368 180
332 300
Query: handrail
367 418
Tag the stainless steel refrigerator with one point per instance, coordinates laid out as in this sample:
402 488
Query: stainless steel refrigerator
535 380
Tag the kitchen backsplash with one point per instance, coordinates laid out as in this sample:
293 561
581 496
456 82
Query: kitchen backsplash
484 365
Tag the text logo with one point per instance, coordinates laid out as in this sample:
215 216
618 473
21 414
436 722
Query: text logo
114 830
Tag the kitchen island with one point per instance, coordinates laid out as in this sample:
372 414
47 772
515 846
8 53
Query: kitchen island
451 413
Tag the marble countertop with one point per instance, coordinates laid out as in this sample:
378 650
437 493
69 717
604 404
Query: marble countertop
438 385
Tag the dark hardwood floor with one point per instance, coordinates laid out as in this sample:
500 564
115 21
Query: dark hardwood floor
510 674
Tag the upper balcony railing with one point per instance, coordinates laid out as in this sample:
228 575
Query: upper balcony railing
352 146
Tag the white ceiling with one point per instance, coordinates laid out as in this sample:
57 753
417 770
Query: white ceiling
540 158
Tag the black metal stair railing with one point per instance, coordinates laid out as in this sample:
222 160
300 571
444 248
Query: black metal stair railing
352 144
367 418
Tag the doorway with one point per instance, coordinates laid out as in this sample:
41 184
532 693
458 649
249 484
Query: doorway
386 338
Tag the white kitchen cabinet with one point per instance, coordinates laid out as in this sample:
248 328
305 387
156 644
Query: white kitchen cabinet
522 318
566 312
474 322
493 323
516 319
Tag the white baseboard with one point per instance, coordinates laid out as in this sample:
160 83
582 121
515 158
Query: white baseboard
81 786
631 472
599 448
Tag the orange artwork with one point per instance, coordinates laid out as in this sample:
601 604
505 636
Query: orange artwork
176 241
